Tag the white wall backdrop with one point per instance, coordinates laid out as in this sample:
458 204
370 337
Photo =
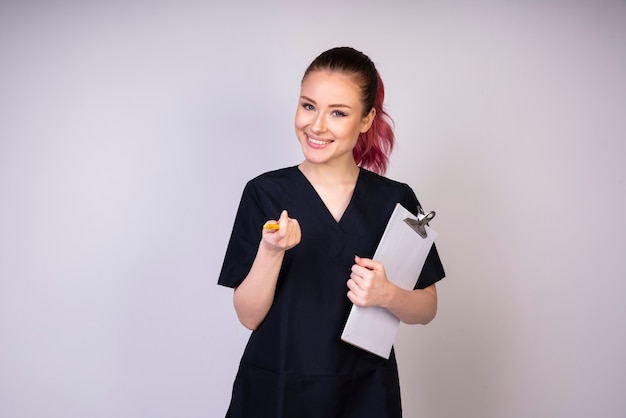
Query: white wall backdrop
128 130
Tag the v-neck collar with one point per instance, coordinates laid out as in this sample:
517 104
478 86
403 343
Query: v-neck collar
315 199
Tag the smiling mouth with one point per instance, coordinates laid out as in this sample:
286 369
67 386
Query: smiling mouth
319 141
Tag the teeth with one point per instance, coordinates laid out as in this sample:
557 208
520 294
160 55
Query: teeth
319 142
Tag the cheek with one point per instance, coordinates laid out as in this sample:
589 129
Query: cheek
299 125
300 119
350 131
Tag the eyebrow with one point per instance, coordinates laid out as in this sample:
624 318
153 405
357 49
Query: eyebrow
308 99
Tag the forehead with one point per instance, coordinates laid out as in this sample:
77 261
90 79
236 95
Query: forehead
331 86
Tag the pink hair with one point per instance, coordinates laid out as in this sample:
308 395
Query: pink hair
374 147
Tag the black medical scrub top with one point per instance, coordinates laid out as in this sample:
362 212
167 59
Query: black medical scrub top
295 364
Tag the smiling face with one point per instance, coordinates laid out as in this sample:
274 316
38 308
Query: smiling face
330 118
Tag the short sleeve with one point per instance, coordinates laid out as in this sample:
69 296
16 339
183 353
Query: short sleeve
244 240
433 270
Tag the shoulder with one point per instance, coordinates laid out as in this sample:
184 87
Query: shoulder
391 189
373 180
272 179
275 175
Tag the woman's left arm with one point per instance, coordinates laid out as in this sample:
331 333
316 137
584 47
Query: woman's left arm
369 286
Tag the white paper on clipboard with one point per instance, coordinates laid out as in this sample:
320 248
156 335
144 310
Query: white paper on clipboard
403 252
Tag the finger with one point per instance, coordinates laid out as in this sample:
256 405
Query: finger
359 282
362 273
354 289
294 226
285 221
352 297
277 226
367 263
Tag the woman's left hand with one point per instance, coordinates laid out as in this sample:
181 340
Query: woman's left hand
368 283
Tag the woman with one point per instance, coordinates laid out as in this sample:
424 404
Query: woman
295 283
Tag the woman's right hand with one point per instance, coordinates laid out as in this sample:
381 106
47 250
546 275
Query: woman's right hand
253 298
287 236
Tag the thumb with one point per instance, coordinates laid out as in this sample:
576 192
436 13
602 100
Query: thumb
283 220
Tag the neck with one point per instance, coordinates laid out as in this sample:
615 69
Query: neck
329 175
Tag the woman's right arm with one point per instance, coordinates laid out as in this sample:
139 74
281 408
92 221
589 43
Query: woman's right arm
255 295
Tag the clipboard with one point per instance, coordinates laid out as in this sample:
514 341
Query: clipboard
403 249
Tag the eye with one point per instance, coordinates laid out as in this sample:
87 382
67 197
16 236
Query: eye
339 114
308 106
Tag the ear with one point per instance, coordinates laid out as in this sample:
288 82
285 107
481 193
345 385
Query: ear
367 121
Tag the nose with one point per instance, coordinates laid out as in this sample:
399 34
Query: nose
319 124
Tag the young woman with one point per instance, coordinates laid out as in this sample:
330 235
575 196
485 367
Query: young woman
295 284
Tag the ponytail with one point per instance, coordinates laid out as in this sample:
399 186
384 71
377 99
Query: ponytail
374 147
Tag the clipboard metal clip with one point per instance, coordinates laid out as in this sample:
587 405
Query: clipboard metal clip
418 225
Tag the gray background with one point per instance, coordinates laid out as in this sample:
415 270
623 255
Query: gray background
128 130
